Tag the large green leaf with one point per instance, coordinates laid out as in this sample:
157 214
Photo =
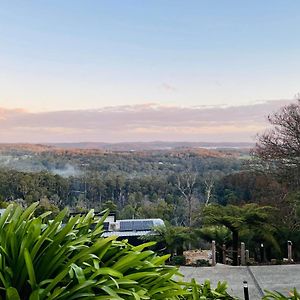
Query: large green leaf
12 294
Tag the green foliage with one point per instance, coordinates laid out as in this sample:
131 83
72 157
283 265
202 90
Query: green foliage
220 234
202 263
293 295
174 238
205 291
44 206
110 205
248 186
145 185
178 260
160 208
237 217
3 204
41 259
140 184
249 218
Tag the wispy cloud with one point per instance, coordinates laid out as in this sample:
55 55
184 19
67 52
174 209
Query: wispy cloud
137 123
168 87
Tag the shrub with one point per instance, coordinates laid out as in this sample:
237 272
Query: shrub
178 260
202 263
205 291
46 259
293 295
42 259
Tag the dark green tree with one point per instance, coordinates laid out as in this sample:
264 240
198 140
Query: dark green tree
175 238
239 218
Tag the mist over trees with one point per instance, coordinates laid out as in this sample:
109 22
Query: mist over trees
170 185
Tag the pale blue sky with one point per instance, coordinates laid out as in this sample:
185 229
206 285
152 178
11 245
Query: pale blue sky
57 55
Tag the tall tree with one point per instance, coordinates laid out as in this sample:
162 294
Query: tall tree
279 146
238 218
186 183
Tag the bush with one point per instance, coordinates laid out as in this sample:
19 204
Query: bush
178 260
41 259
205 291
293 295
3 204
46 259
202 263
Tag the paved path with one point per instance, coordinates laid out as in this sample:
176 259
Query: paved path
281 278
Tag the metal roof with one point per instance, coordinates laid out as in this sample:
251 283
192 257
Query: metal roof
127 233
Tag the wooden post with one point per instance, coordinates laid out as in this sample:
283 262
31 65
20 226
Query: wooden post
290 255
213 253
243 254
224 254
247 256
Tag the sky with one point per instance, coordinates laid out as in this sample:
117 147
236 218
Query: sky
137 70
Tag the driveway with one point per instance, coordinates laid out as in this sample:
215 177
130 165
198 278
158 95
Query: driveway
281 278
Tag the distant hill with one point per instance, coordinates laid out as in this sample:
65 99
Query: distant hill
157 145
38 148
131 158
179 149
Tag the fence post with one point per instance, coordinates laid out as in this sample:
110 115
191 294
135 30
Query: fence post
290 255
243 254
213 253
247 256
224 254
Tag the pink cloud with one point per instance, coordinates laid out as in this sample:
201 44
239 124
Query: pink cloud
146 122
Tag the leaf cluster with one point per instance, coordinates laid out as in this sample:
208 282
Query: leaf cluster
42 259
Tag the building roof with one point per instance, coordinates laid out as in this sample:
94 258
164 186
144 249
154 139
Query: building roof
127 233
